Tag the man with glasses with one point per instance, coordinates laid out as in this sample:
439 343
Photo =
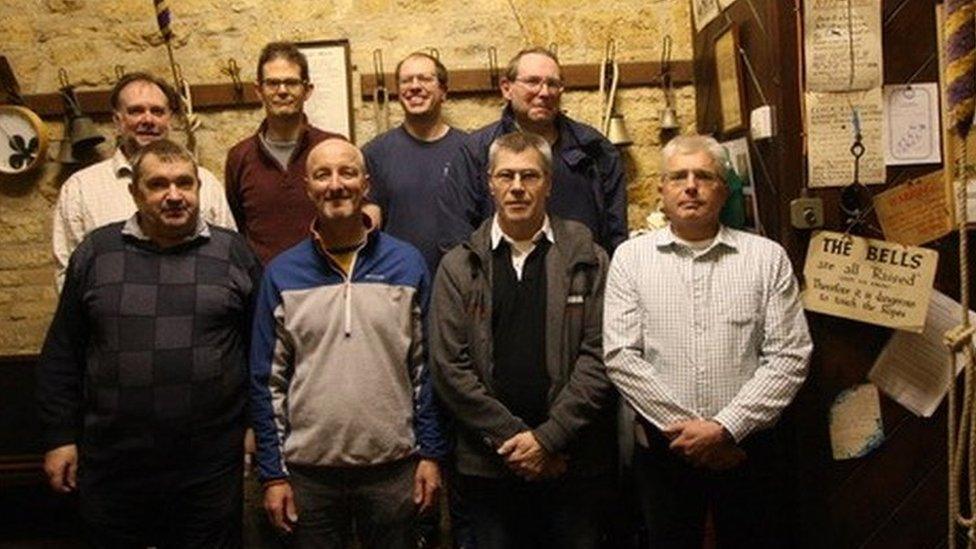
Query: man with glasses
706 339
516 357
264 173
588 182
407 164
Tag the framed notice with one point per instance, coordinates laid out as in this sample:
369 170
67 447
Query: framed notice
728 74
329 70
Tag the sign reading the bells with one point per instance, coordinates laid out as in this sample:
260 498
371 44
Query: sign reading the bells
23 139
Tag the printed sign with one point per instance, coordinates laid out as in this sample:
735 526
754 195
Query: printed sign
869 280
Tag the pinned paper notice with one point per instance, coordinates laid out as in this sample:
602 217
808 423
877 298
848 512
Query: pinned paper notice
837 33
869 280
916 212
912 124
830 134
913 369
855 422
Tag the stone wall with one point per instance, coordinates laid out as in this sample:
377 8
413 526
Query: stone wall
90 37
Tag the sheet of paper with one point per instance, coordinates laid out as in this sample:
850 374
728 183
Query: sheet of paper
328 107
970 202
829 26
869 280
855 422
912 124
704 12
915 212
739 155
913 369
830 134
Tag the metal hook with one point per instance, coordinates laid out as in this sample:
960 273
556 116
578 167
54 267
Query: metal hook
378 69
63 78
554 48
493 66
234 72
434 53
610 53
119 72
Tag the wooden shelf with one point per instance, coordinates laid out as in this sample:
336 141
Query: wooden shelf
95 103
210 97
577 77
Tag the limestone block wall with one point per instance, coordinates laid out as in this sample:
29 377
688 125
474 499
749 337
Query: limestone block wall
90 37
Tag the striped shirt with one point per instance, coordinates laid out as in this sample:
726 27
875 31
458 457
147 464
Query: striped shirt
717 333
99 195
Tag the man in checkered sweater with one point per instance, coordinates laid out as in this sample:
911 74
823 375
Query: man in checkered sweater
142 375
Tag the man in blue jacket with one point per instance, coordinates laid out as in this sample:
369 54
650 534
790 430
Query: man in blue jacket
342 407
587 180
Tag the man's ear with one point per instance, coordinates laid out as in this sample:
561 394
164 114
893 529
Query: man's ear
309 88
506 87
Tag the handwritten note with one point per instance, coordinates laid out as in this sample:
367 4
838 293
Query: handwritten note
912 368
912 124
837 33
869 280
855 422
915 212
830 134
329 107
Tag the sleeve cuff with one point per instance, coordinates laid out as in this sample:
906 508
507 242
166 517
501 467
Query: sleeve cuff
732 427
551 436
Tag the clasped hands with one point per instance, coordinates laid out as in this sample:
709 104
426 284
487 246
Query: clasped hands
529 460
704 443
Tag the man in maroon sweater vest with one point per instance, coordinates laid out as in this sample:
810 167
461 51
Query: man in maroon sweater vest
264 175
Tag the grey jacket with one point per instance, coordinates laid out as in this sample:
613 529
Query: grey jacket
582 401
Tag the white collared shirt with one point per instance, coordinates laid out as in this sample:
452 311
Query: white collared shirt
520 248
99 195
715 333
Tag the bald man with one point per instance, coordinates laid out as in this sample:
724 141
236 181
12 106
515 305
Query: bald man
342 404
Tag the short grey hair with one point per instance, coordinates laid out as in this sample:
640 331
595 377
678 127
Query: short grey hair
517 142
691 144
166 151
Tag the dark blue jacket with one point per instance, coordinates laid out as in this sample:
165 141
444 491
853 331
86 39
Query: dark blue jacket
588 183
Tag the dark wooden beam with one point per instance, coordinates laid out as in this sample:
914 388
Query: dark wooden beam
577 77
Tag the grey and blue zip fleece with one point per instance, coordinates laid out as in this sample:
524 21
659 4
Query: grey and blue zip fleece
338 364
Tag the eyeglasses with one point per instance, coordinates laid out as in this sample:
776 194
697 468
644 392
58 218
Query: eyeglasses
422 79
678 178
534 83
290 84
527 177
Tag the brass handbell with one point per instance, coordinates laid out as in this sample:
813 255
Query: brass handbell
617 131
669 118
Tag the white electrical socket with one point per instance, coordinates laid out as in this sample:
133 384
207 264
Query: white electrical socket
762 123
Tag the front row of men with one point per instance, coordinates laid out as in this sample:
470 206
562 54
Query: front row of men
529 337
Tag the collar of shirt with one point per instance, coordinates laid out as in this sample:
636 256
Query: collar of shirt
120 164
665 239
497 235
313 228
133 229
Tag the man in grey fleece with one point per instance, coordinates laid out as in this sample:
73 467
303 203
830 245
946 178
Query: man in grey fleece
516 357
343 410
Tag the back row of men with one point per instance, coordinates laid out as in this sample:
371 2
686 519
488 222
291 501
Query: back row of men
527 334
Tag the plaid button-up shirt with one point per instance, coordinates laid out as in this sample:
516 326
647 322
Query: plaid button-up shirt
717 333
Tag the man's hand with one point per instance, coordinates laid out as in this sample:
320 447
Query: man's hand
279 504
426 484
528 459
694 439
61 467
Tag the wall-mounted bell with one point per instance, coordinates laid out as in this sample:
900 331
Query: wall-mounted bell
669 119
617 132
